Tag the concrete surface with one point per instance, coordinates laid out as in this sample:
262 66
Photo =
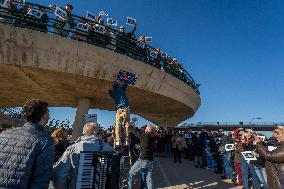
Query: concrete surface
61 71
170 175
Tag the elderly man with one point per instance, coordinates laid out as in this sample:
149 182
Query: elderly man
145 161
274 160
65 171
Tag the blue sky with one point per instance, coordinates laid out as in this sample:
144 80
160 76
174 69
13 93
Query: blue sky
234 48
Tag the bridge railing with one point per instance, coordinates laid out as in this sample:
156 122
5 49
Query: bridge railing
108 38
240 124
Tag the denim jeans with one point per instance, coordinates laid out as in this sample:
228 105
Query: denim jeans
198 160
259 176
168 149
227 164
145 166
245 173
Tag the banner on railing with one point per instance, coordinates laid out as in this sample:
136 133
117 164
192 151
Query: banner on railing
35 13
102 13
60 13
131 21
99 28
111 22
148 39
140 44
90 16
83 26
3 3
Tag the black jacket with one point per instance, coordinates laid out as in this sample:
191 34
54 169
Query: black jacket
146 143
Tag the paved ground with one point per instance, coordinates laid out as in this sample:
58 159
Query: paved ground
168 175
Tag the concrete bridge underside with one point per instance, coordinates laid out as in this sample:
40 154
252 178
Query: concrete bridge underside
62 71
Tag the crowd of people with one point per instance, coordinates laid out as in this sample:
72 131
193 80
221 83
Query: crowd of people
208 150
32 158
94 32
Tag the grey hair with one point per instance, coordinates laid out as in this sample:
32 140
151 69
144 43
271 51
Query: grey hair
90 128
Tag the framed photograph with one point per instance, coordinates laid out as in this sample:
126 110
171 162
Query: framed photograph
140 44
131 21
148 39
127 77
153 54
188 136
163 55
90 16
35 13
271 148
82 26
60 13
90 118
3 3
111 22
102 13
99 29
229 147
248 155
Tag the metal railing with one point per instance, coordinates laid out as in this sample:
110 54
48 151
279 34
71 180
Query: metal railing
16 15
239 124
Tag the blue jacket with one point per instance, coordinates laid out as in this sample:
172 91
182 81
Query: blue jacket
26 157
119 96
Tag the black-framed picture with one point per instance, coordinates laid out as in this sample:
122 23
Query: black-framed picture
248 155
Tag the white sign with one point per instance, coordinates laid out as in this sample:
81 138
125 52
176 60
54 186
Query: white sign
62 14
91 16
148 39
262 137
164 55
91 118
140 44
99 29
229 147
35 13
153 53
188 136
111 22
271 148
102 13
3 3
131 21
248 155
83 26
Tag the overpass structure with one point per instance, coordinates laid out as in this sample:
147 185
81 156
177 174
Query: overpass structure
74 71
230 126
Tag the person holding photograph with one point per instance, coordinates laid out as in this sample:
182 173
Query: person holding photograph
274 160
62 26
244 143
118 93
257 170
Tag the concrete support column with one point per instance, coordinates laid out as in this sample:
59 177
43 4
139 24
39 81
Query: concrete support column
82 109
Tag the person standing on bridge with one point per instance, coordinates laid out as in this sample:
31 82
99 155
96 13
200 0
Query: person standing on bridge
27 153
118 93
145 161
